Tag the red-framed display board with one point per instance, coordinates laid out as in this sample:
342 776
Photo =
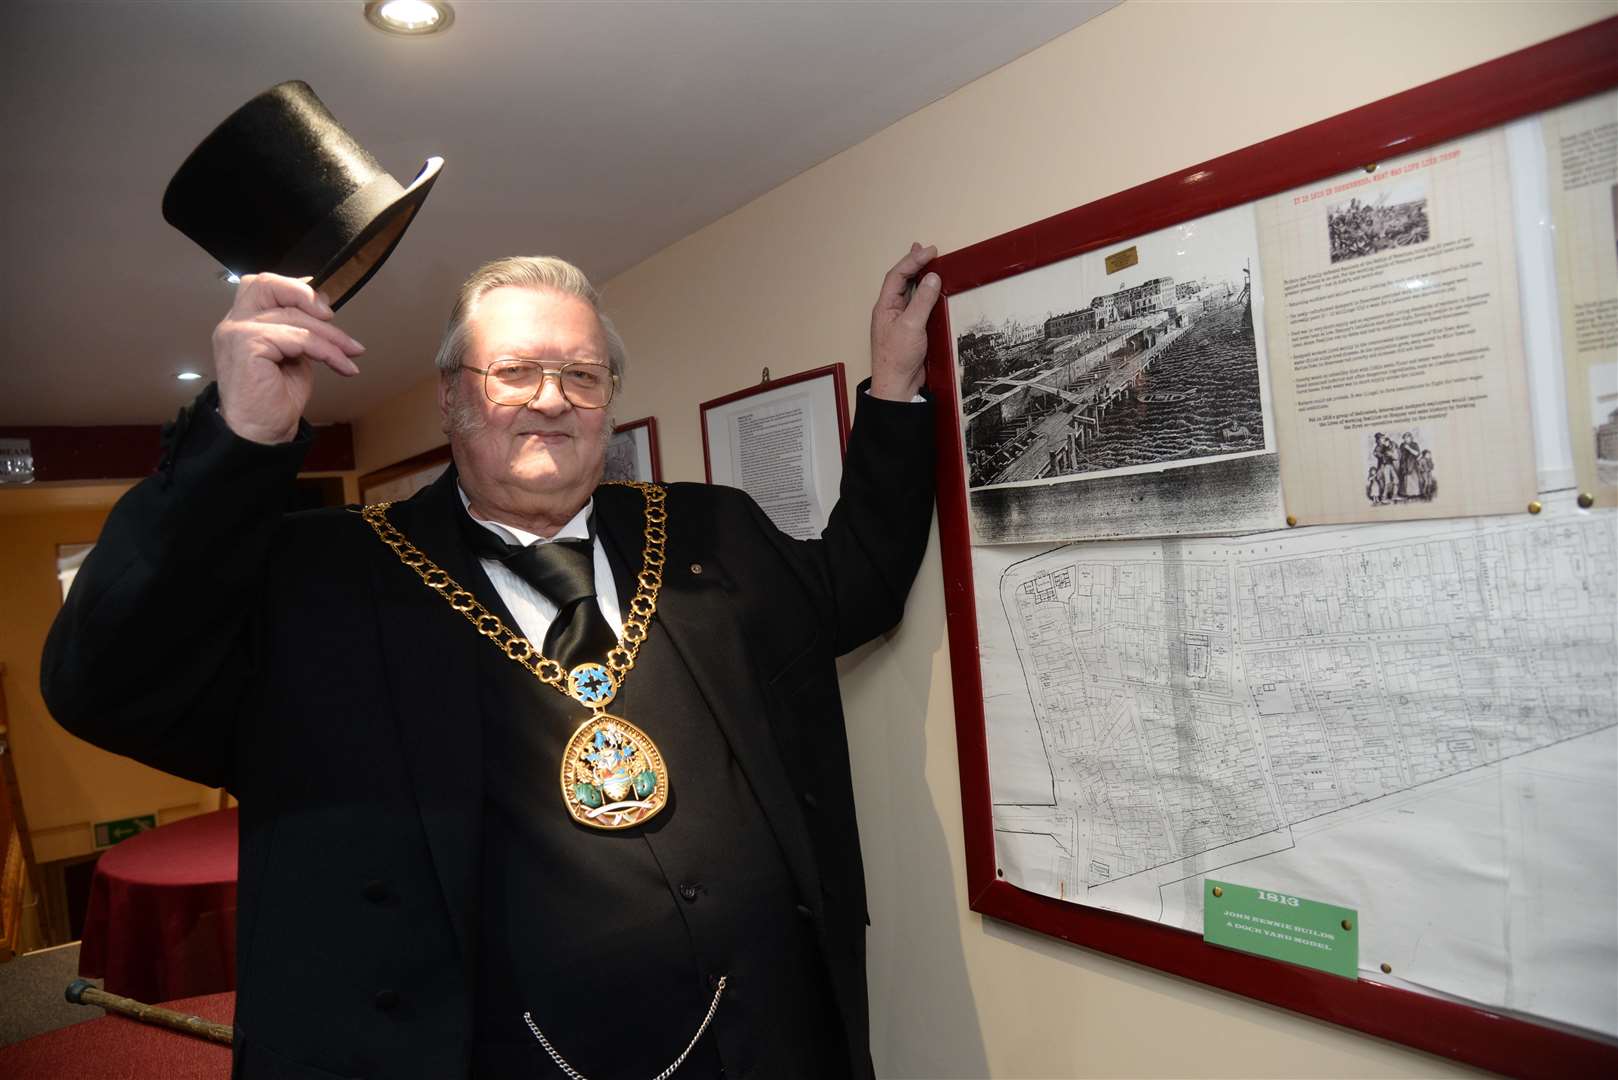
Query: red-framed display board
1542 77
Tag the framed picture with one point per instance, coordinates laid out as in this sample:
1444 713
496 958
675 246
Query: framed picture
782 442
1177 707
632 453
403 479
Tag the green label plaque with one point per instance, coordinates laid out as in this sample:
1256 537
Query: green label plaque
1282 927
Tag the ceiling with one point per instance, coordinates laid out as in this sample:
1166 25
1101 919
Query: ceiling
599 131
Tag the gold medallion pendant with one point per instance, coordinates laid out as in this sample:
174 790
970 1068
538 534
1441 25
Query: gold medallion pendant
613 776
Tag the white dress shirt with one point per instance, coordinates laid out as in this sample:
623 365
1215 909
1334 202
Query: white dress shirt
533 610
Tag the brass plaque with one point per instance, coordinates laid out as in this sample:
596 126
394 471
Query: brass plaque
1122 260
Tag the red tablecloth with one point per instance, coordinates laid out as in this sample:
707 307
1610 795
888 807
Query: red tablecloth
115 1047
162 917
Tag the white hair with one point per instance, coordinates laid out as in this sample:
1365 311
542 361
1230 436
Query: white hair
541 272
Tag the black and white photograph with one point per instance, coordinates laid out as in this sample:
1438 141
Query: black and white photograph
1399 467
1603 381
1394 218
1607 450
1069 375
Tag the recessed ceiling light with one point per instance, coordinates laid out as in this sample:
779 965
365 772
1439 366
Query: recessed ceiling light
188 376
410 17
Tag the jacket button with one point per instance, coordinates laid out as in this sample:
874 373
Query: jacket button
805 913
386 1000
696 568
688 892
375 891
810 801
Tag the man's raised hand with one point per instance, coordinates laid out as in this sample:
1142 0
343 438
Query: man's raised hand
264 352
899 327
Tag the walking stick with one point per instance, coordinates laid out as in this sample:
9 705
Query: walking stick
82 992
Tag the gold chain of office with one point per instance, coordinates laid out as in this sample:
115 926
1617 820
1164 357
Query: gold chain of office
637 619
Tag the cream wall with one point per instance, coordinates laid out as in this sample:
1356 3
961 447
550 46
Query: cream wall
787 281
402 427
66 783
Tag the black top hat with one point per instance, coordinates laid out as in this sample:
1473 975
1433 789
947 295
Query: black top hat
281 187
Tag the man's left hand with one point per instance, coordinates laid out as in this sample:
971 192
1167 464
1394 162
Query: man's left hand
899 327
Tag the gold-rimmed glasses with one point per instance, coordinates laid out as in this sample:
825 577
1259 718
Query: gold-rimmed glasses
584 384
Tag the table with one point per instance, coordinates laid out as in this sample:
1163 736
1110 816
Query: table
161 922
117 1046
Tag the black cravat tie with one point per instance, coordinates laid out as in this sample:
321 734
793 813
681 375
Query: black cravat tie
564 572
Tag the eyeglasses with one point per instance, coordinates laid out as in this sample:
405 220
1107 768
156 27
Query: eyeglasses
517 382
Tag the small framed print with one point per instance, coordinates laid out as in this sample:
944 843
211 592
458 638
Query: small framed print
403 479
782 442
632 453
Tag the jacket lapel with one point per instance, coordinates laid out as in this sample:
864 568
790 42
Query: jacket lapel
696 614
430 652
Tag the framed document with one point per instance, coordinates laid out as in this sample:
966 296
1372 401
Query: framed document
782 442
632 453
1332 328
404 478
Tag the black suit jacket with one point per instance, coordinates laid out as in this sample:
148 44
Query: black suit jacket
295 660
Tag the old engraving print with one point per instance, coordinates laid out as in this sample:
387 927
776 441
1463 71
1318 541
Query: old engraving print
1073 374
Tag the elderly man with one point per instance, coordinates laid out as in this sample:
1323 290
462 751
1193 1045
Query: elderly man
538 777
